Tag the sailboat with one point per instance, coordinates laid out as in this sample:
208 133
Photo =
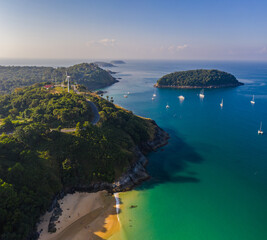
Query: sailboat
201 95
252 101
154 94
260 132
221 104
167 106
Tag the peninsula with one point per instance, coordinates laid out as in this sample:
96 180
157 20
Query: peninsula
51 146
88 74
200 78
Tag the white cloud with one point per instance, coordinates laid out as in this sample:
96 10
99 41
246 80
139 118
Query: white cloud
106 42
176 48
181 47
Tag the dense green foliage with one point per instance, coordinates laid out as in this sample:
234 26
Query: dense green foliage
89 75
118 118
198 78
38 104
27 183
37 162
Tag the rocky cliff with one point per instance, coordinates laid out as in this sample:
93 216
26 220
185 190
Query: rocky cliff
137 173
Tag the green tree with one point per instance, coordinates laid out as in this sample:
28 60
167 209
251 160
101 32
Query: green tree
7 125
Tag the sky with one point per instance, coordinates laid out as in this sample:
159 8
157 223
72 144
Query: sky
139 29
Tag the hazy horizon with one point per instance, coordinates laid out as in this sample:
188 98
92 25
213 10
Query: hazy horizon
139 30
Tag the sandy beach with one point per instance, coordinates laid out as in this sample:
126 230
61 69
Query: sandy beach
84 216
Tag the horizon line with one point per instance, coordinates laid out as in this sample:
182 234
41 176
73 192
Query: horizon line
136 59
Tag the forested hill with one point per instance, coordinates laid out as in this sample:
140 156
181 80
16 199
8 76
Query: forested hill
38 160
200 78
53 107
90 75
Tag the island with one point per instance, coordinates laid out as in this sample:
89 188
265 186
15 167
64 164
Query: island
104 64
87 74
200 78
56 142
117 62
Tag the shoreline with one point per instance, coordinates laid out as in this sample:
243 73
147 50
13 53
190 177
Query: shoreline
83 215
132 178
200 87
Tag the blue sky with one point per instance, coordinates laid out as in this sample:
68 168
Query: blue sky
148 29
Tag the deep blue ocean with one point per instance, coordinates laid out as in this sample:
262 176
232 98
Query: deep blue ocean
210 181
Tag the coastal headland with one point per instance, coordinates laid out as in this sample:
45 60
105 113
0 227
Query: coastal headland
69 150
90 211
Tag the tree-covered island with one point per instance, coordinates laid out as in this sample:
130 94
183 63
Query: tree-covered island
117 62
49 147
200 78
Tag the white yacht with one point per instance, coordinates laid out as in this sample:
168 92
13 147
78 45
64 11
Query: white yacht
167 106
201 95
252 101
221 104
260 132
154 94
181 98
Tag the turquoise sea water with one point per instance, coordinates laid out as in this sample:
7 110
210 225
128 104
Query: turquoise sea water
210 182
